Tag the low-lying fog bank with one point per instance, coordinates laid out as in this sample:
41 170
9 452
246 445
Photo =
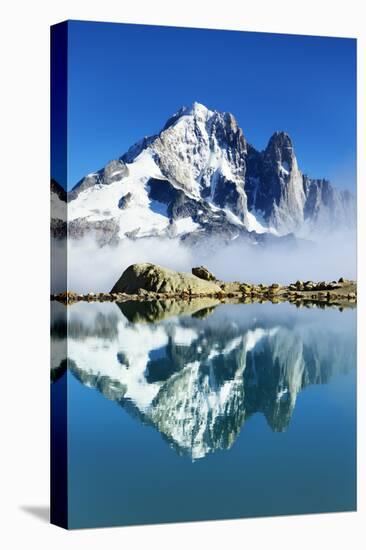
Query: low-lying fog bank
94 269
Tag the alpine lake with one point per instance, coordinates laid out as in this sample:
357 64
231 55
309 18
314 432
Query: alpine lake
203 410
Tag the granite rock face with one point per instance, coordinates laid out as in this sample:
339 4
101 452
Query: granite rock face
275 187
203 152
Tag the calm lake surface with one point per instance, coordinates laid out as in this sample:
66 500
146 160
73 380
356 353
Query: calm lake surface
180 413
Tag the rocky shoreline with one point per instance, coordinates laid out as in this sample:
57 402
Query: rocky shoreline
147 282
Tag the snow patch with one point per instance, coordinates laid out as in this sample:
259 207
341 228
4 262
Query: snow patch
254 225
185 225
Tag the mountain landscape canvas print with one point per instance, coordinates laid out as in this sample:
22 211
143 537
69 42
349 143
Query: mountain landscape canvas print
203 261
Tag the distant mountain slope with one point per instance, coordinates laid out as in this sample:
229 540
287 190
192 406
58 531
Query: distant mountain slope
198 178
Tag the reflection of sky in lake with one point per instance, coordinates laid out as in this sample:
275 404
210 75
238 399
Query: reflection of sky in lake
233 411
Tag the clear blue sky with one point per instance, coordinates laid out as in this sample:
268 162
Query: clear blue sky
126 80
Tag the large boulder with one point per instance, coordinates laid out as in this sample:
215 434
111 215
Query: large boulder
155 278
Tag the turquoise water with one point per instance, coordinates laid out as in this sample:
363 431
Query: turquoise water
214 412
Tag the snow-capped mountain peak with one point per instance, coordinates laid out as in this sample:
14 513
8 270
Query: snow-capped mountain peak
199 177
195 109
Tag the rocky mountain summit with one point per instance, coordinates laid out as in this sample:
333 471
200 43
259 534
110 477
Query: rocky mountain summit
197 178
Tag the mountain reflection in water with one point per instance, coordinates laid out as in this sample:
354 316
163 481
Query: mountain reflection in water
197 372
